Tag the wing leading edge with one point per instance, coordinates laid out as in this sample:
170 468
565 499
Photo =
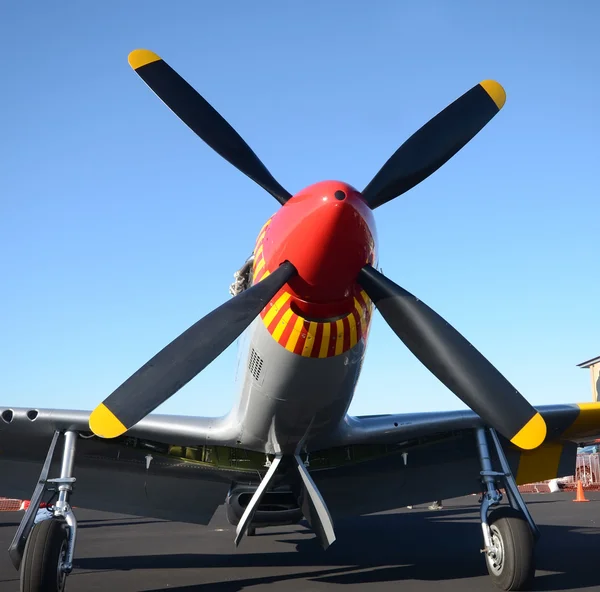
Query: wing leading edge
575 423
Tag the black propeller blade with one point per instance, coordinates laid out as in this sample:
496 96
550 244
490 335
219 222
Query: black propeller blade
184 358
202 118
435 143
454 361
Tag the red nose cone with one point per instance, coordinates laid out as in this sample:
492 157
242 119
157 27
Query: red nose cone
327 231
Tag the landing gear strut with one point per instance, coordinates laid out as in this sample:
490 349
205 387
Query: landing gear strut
509 533
43 546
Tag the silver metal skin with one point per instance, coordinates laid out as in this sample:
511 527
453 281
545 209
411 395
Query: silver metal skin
188 430
291 399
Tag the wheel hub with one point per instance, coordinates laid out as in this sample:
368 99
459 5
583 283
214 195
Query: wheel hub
495 555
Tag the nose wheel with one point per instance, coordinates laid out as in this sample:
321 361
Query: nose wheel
42 568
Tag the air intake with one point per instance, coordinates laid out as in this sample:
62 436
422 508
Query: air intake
255 364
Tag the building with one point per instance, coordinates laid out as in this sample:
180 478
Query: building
594 366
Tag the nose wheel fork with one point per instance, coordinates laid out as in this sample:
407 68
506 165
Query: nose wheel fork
509 532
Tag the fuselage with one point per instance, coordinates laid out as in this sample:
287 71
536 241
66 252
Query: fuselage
304 353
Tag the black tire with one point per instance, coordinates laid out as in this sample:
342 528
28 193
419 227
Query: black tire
515 569
44 552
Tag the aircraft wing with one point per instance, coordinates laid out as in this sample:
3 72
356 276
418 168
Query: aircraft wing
379 463
137 474
575 423
370 464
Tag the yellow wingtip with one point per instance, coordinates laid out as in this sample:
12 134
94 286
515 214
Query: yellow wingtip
593 406
140 57
532 434
587 422
496 92
104 423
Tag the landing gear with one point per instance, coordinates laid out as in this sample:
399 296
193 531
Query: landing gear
509 533
43 547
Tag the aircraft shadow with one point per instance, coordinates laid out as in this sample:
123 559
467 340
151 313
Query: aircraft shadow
415 545
95 523
104 524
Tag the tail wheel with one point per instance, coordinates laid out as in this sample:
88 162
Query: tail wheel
512 564
45 552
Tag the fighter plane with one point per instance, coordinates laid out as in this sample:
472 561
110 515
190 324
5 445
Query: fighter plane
288 450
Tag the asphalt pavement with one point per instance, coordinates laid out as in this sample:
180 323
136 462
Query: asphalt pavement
419 549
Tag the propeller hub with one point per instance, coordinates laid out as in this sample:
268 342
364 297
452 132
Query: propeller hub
328 233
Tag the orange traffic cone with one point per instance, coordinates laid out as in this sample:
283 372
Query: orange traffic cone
580 495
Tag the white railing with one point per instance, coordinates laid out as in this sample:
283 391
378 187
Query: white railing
587 470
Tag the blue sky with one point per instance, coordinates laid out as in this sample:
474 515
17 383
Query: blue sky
119 228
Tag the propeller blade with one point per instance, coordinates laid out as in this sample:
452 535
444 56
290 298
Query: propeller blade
455 362
202 118
184 358
436 142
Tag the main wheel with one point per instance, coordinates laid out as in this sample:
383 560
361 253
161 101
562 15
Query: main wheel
512 566
45 551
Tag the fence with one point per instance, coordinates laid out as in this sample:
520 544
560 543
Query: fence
587 470
11 505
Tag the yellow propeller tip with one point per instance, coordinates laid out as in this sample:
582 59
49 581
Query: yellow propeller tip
140 57
532 434
496 92
104 423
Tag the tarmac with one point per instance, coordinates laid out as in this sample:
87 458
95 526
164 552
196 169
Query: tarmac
419 549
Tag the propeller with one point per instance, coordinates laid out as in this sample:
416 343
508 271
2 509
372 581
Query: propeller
420 156
448 355
185 357
435 143
203 119
454 361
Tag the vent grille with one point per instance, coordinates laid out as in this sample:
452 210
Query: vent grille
255 364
